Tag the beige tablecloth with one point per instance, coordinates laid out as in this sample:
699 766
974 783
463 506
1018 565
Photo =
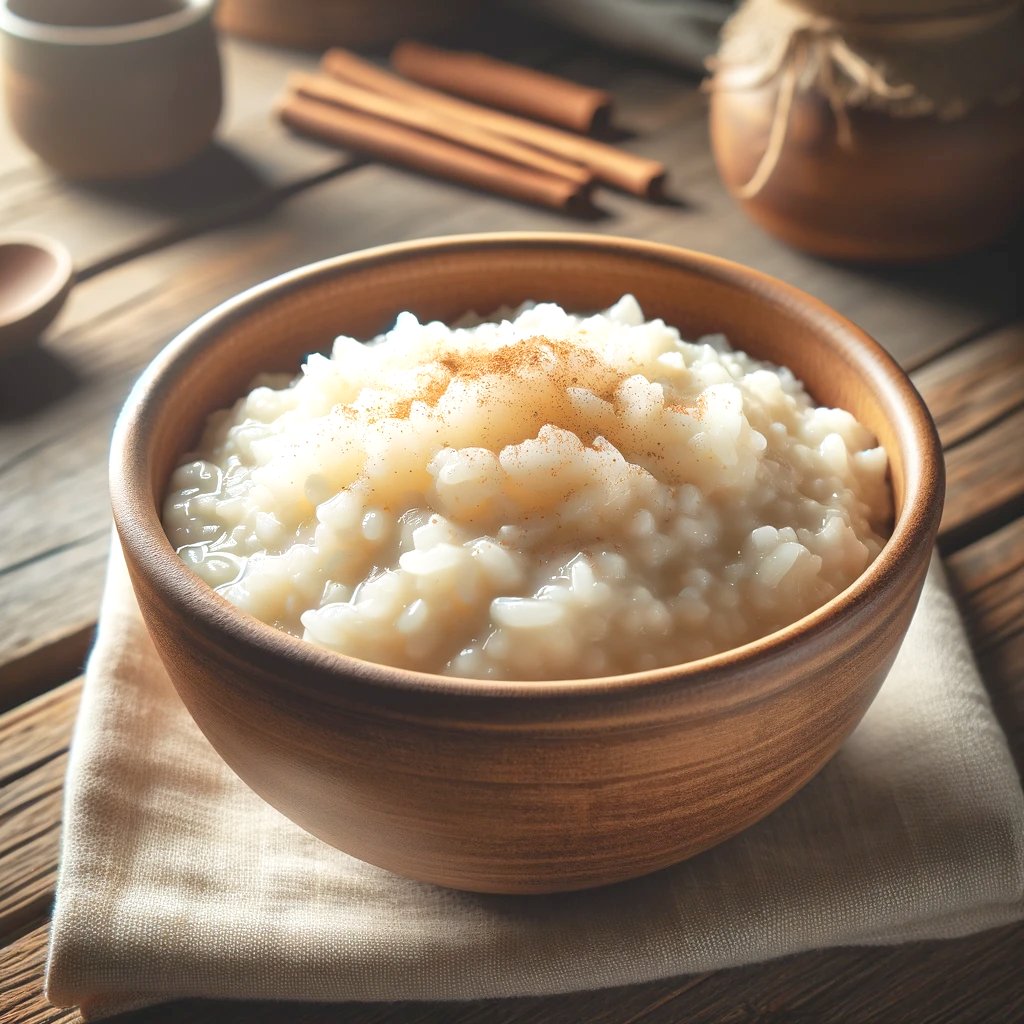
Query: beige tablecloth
176 880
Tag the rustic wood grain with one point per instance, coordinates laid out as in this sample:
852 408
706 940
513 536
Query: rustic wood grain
976 384
29 880
989 574
34 739
49 657
50 606
21 989
28 800
984 483
37 731
988 577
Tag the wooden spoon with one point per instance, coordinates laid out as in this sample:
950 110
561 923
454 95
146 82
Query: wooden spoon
36 274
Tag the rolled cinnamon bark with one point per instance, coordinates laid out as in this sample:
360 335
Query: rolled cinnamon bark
507 86
402 145
364 101
635 174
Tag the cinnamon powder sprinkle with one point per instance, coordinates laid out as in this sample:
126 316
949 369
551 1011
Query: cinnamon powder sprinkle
564 361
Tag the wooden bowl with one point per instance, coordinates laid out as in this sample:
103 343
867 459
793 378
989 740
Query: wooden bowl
911 188
506 786
121 89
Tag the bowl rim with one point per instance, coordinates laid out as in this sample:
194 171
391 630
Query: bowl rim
19 26
138 524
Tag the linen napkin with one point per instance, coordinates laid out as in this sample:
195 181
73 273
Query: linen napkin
177 880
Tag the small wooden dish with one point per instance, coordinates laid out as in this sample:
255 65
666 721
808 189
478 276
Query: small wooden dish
36 274
506 786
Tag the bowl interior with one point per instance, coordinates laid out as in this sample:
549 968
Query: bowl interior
272 327
32 273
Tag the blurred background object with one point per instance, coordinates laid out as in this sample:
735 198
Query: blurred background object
318 24
497 83
111 89
873 129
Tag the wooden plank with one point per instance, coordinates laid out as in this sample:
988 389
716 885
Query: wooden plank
31 805
988 578
21 983
29 880
34 739
38 731
984 483
648 97
45 660
975 384
991 574
50 607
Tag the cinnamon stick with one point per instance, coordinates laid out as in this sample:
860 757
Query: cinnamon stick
632 173
507 86
363 101
402 145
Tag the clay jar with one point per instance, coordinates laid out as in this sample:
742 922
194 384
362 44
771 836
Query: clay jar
909 188
111 89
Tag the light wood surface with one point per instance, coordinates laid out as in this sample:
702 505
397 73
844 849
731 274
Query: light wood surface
154 259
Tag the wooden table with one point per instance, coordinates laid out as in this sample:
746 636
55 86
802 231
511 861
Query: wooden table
152 257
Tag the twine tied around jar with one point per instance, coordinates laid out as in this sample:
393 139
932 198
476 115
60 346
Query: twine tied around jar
815 50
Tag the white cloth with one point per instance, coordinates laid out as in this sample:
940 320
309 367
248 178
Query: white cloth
177 880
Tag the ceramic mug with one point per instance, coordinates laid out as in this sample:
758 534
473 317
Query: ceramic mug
111 89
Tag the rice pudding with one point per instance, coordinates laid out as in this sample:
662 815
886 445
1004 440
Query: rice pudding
542 496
